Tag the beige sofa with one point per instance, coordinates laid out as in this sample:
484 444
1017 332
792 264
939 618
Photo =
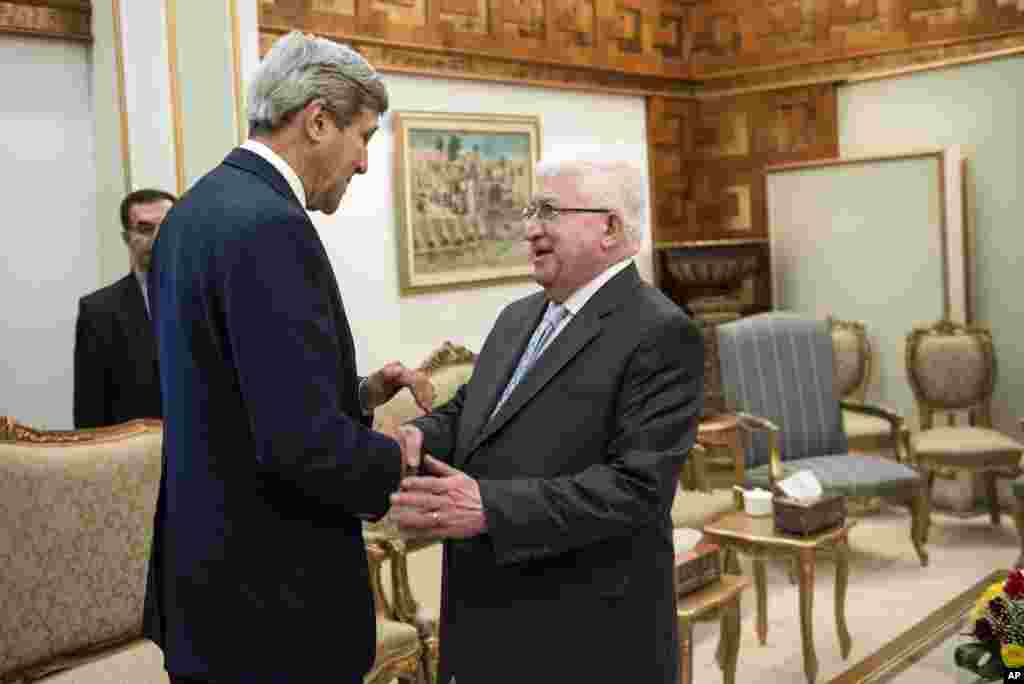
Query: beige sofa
78 512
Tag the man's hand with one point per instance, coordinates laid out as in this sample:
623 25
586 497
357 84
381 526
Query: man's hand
411 440
446 505
386 382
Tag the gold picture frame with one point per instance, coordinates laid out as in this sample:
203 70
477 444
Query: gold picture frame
461 183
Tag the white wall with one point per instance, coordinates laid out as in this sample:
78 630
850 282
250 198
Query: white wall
979 107
361 237
51 247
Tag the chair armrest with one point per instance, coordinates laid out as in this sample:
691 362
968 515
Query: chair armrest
873 410
376 554
698 468
900 437
751 423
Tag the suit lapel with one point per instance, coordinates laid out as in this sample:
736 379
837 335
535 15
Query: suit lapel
135 318
513 336
582 329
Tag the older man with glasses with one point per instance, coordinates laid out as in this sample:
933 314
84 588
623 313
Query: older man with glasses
554 467
116 373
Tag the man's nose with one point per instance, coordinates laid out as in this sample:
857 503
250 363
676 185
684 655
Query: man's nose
534 229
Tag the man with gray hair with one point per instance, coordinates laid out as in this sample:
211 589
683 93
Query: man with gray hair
258 571
556 464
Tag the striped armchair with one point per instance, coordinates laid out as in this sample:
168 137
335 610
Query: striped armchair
778 376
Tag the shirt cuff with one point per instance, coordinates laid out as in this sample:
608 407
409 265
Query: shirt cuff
364 399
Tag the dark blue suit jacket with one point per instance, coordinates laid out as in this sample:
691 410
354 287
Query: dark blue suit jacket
258 571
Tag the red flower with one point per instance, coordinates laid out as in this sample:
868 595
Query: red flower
1014 587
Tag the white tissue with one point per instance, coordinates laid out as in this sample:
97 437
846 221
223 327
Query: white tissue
801 485
684 539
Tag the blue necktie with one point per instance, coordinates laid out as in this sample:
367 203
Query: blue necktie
552 317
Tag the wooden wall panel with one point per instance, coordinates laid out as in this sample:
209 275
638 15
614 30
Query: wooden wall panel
768 42
708 157
67 19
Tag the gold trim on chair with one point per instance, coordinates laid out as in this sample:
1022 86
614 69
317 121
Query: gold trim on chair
447 354
13 431
865 358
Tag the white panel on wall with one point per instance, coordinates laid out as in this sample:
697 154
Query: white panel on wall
979 107
147 82
361 237
840 229
50 255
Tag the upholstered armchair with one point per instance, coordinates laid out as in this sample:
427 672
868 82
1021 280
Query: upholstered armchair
400 651
73 573
696 504
777 371
78 509
865 429
952 368
447 368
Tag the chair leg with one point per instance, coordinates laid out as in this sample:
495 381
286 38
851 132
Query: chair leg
920 519
927 524
993 497
1018 516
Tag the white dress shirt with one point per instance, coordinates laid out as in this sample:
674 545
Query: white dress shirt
275 160
577 299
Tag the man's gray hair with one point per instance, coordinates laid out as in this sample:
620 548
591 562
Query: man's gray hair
606 185
301 68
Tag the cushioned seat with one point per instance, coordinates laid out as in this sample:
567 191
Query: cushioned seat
140 662
396 640
1017 486
851 475
694 508
965 445
860 426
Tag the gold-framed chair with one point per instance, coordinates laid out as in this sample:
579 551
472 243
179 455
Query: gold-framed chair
80 504
854 358
400 650
448 367
791 412
952 369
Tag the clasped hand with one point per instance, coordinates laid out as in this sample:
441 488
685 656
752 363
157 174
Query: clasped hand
442 503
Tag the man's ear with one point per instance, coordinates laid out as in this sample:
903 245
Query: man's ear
124 236
315 117
613 229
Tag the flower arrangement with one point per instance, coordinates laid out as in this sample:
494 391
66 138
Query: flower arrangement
997 624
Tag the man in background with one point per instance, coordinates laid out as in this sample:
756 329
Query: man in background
558 461
116 372
258 571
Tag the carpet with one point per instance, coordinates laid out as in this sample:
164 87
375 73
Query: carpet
888 592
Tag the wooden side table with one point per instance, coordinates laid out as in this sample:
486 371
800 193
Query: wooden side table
720 599
757 538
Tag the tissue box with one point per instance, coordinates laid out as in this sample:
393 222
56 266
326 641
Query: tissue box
808 516
698 567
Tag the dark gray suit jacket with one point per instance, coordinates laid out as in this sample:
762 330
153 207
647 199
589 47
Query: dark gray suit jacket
116 373
573 580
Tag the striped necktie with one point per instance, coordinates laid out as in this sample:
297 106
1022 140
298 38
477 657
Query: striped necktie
552 317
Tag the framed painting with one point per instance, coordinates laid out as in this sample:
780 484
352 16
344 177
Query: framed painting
462 181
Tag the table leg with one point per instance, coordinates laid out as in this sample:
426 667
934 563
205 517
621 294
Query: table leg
685 651
729 641
842 576
807 613
761 587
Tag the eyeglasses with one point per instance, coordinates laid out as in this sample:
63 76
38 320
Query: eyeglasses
544 210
